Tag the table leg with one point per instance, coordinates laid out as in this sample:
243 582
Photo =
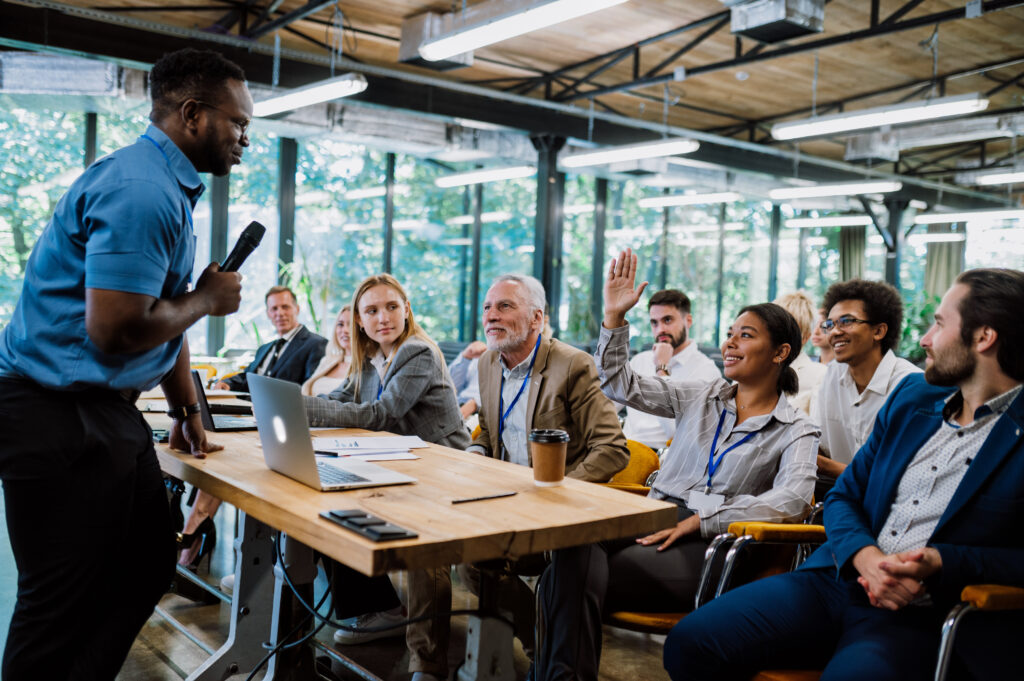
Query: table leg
298 663
250 615
488 637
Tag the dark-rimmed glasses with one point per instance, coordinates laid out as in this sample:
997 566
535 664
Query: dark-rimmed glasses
843 323
243 125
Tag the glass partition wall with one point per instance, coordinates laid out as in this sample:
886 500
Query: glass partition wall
447 244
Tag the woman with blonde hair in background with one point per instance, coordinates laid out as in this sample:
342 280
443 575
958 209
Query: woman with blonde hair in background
398 382
333 368
809 372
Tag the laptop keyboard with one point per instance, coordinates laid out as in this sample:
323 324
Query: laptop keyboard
332 475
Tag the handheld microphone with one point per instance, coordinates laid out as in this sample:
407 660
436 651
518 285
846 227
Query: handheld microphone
246 244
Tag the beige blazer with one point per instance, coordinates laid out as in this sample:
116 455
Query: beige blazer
564 393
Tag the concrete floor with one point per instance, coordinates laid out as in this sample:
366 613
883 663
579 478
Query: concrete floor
161 653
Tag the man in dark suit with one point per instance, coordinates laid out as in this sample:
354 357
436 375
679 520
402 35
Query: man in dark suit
293 356
931 503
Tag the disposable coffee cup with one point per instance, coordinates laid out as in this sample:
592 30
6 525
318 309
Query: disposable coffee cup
547 449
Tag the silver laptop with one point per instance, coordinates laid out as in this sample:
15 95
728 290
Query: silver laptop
288 447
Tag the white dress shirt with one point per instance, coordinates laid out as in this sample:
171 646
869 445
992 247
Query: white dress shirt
810 374
287 338
689 364
846 417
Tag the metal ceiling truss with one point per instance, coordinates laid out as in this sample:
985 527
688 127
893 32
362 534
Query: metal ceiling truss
894 23
46 25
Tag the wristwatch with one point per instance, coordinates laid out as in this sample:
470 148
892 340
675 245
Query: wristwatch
663 367
183 412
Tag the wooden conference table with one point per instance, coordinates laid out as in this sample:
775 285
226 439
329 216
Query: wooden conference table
535 519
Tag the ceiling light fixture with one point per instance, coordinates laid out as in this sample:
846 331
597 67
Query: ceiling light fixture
494 216
630 152
321 91
374 192
484 175
968 216
886 115
919 239
843 189
1001 178
836 221
496 20
688 199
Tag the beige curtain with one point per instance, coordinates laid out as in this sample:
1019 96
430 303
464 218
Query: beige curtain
852 241
944 261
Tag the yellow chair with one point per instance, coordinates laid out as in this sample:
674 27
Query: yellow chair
230 374
476 432
633 478
211 371
740 537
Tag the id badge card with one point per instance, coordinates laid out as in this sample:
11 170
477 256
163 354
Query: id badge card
704 503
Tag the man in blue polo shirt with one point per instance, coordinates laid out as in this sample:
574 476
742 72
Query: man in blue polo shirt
102 315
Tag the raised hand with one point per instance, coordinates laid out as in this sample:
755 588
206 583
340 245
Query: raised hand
620 294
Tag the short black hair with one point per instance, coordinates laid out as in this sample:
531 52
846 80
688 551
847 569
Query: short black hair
189 74
995 299
673 297
882 305
783 329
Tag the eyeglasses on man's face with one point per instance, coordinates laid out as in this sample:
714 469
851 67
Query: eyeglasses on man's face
844 323
241 123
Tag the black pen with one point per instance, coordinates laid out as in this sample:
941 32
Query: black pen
319 452
489 496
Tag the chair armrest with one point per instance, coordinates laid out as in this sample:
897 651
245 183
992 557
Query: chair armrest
993 596
779 532
627 487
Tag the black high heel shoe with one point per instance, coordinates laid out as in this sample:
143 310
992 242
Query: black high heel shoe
206 535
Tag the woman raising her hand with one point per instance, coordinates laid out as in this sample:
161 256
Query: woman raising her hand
740 452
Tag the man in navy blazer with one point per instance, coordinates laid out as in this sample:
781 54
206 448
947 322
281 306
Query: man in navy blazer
932 502
293 356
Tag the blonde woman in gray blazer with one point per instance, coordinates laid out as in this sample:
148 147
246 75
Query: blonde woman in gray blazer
398 382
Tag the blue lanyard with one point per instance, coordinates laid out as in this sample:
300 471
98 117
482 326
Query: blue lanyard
503 413
188 213
712 463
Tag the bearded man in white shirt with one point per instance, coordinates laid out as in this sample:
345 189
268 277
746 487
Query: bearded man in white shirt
674 357
863 321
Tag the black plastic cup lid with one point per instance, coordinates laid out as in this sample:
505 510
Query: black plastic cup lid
548 435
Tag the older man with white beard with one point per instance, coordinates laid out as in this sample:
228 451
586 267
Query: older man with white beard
528 381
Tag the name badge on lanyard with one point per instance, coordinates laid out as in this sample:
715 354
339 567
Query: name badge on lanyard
706 501
502 412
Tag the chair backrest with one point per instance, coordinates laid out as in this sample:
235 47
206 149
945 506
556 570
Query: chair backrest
476 432
642 462
209 369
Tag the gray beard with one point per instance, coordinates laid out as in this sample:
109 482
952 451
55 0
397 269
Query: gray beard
511 342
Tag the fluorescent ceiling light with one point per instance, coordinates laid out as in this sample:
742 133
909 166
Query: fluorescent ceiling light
356 227
461 155
494 216
968 216
630 152
374 192
412 223
485 175
687 199
1001 178
504 22
321 91
578 209
886 115
816 241
918 239
837 221
701 229
457 242
843 189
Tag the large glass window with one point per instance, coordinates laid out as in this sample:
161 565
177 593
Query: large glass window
339 223
252 195
42 154
507 238
577 323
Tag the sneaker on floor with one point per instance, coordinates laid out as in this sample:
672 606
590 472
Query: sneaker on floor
227 584
388 618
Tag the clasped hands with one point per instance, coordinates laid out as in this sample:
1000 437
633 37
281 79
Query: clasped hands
892 581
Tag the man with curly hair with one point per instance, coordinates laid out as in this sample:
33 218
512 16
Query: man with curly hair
102 316
862 323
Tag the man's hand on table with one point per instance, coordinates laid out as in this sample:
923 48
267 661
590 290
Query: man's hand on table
190 436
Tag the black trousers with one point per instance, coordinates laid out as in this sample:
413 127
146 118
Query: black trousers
89 526
585 582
